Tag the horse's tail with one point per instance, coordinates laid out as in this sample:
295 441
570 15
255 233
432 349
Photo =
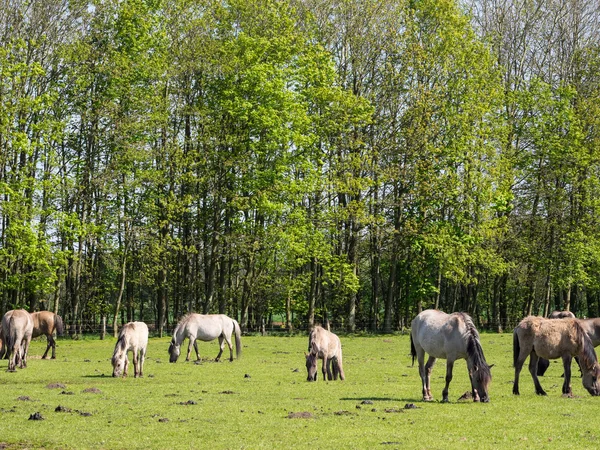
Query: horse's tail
516 347
9 335
58 323
238 340
413 351
340 365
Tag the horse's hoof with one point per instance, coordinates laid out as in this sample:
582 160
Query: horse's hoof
54 357
445 400
541 393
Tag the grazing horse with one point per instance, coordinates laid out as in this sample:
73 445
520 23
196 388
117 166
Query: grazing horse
543 363
323 344
132 337
450 337
206 328
551 339
46 322
17 329
561 315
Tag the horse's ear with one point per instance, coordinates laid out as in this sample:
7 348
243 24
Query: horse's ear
489 367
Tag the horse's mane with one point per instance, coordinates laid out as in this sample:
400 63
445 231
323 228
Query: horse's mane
181 323
474 349
587 354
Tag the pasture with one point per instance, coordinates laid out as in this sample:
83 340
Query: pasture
264 401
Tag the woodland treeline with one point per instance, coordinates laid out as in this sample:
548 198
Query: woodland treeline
302 161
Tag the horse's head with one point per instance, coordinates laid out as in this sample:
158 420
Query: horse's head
311 366
174 350
118 363
591 379
481 377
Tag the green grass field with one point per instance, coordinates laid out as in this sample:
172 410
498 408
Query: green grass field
264 401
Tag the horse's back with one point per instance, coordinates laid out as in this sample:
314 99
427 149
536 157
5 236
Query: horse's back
206 327
135 334
550 338
439 334
43 323
17 324
321 340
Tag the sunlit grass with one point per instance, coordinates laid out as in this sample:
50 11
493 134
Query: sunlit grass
246 404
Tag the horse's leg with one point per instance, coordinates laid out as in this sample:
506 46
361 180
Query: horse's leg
533 363
428 369
329 374
449 367
221 346
518 367
192 343
566 389
334 367
49 344
53 342
197 352
142 358
421 363
135 362
126 365
228 340
324 368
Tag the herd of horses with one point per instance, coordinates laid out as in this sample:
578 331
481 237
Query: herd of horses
435 333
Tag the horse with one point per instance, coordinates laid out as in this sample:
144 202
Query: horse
46 322
552 339
449 337
323 344
543 363
132 337
206 328
561 315
17 329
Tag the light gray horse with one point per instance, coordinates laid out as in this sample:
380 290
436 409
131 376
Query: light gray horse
552 339
324 345
46 322
17 329
449 337
132 337
206 328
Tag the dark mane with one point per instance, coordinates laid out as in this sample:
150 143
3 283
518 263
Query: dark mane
587 353
474 349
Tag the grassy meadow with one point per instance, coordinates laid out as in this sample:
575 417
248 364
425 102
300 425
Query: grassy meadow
264 401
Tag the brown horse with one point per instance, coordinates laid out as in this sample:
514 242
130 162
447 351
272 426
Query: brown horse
46 322
323 344
543 363
17 329
551 339
449 337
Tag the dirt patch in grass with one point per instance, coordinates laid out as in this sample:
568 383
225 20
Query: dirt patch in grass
24 398
393 410
92 390
344 413
300 415
56 386
60 408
